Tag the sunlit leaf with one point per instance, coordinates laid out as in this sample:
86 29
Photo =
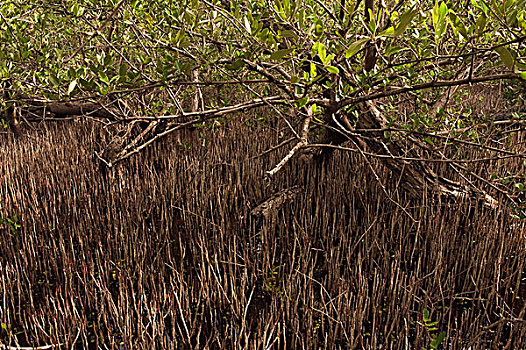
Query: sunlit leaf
442 10
72 86
104 78
387 32
435 14
248 26
439 19
312 70
332 70
318 29
322 52
372 22
457 25
426 315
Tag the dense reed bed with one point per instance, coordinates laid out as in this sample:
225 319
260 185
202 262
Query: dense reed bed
162 252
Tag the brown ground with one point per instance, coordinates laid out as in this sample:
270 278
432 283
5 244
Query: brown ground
162 252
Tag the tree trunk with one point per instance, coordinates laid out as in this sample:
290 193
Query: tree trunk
416 177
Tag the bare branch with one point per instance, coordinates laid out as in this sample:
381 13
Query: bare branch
428 85
298 146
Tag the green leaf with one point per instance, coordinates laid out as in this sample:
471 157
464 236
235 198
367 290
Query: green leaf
439 19
405 20
77 10
481 23
236 65
53 80
104 78
322 52
72 86
522 75
457 25
519 65
442 10
372 22
318 29
286 7
123 69
301 18
387 32
72 73
332 70
505 56
312 70
288 34
435 343
430 141
355 47
280 54
434 15
314 49
248 26
107 60
426 315
302 102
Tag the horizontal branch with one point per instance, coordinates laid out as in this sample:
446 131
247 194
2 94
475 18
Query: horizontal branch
43 347
199 117
424 86
447 137
63 110
94 109
220 82
412 159
473 52
217 112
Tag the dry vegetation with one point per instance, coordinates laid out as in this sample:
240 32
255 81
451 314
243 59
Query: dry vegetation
162 251
140 209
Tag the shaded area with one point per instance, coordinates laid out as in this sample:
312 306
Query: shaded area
162 251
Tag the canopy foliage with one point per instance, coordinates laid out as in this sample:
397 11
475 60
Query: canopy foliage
334 71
